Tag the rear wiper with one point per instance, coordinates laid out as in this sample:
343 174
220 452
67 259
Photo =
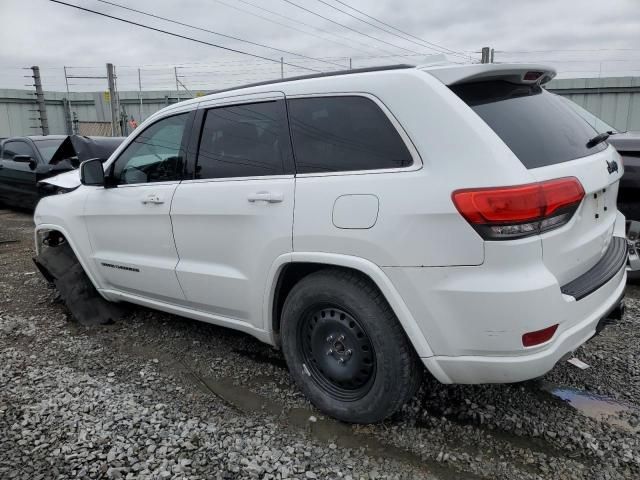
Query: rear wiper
601 137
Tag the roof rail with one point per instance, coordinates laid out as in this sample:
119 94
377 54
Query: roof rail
317 75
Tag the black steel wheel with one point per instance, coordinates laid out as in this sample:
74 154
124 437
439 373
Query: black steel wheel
337 352
346 349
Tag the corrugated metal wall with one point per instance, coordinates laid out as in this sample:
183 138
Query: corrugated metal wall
18 116
615 100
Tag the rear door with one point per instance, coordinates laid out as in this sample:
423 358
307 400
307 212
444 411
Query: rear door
550 139
235 217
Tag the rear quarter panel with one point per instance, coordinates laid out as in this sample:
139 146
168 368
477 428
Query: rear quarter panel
417 223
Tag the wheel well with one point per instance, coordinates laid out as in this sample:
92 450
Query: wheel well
290 275
55 255
51 238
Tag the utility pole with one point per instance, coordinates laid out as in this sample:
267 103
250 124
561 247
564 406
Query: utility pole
112 100
121 121
67 105
67 116
486 55
140 96
350 64
42 108
175 71
281 67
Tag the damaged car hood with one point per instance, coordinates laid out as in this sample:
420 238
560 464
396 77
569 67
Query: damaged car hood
67 180
79 148
626 142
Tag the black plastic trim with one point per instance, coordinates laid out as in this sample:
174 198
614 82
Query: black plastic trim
614 259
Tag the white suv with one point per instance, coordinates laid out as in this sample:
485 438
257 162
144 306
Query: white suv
366 222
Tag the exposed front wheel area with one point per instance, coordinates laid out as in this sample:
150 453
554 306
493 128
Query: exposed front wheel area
345 348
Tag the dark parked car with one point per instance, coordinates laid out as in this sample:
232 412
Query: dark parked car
628 146
24 161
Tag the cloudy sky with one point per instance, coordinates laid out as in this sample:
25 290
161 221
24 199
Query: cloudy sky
581 38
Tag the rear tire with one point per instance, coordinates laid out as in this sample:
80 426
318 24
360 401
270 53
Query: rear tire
346 349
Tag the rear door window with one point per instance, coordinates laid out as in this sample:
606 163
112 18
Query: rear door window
538 126
333 134
248 140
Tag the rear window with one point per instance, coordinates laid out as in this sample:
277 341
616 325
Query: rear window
345 133
538 127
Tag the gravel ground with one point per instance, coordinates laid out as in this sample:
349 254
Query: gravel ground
157 396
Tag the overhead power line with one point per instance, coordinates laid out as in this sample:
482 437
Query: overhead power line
326 32
590 50
433 46
148 27
215 33
348 27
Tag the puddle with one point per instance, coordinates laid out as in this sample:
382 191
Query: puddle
598 407
323 429
260 357
534 444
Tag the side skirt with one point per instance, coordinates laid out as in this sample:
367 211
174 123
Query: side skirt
221 321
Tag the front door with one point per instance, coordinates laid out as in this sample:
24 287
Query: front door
18 179
236 216
129 225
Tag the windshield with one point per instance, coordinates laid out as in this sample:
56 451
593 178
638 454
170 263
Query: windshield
539 127
600 125
48 147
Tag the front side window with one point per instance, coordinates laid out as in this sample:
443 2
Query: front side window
156 155
11 149
244 141
332 134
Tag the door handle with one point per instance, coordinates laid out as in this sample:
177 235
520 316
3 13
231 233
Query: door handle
152 198
269 197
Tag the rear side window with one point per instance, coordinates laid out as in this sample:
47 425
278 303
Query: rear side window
332 134
246 140
538 126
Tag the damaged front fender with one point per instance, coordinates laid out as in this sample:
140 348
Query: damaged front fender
58 264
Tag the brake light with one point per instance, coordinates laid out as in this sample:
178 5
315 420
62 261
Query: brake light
539 336
532 76
503 213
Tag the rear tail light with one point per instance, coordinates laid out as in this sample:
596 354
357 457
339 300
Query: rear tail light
505 213
539 336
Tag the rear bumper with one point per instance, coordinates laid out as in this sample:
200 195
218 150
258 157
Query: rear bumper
515 368
612 261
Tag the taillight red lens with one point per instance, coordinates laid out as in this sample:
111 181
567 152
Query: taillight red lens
539 336
529 206
561 193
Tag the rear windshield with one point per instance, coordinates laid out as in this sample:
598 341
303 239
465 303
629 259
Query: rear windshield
538 126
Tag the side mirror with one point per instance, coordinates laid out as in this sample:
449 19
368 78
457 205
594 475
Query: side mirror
25 159
92 172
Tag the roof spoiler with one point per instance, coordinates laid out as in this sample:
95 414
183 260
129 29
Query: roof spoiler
526 74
